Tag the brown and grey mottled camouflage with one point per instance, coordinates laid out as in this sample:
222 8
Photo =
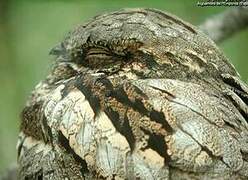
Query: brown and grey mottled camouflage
136 94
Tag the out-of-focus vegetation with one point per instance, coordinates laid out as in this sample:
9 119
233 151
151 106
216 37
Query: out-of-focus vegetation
29 28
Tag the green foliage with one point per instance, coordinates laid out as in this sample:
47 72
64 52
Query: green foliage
28 29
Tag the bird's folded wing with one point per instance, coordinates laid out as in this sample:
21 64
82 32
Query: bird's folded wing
148 129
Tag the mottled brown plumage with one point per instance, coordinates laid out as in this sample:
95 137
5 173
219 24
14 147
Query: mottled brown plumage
136 94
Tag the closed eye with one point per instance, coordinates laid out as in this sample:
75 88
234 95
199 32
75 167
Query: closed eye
100 58
97 52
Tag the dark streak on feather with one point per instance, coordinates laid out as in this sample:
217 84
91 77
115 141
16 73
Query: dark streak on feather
203 148
86 90
157 143
160 118
121 125
137 105
64 142
242 112
164 91
242 95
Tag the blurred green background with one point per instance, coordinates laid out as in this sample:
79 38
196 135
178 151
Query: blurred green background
29 28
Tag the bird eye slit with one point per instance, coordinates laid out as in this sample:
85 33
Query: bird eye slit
98 51
102 54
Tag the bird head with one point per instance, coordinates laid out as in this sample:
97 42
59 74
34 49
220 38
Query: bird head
144 42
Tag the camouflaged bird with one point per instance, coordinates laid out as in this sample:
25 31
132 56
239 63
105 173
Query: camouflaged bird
136 94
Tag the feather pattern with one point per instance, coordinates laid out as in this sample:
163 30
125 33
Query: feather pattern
136 94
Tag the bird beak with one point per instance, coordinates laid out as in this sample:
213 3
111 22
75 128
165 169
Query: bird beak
58 50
